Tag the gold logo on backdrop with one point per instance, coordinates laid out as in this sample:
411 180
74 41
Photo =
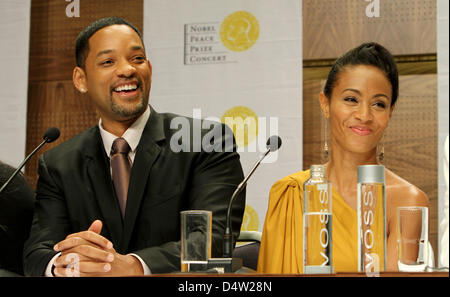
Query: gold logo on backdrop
250 222
239 31
243 122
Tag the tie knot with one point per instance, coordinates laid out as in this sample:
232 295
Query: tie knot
120 146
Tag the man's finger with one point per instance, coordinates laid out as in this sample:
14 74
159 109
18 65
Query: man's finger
83 269
96 226
66 272
83 254
84 237
65 259
92 253
94 267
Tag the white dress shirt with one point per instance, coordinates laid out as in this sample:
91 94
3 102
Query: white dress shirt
132 135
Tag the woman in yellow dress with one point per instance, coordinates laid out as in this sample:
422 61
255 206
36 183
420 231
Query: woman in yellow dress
358 100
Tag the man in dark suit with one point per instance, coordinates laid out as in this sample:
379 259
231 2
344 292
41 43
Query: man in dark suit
86 215
16 213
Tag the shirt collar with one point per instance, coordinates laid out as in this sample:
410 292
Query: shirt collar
132 135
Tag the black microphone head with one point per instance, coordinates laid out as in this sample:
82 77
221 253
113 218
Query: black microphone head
51 134
273 143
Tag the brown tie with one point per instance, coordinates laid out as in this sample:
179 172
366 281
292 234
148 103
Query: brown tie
121 169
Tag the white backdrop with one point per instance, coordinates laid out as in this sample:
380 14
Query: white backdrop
14 36
234 58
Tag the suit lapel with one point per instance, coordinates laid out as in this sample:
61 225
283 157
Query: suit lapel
102 187
146 154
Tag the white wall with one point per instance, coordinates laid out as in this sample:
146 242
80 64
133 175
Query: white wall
14 48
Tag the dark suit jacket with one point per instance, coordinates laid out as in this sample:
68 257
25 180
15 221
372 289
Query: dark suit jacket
75 188
16 213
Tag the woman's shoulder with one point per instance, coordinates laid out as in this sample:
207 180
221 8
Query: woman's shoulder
292 180
289 185
405 193
286 194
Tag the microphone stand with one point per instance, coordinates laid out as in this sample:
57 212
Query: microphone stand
228 237
227 263
21 165
50 135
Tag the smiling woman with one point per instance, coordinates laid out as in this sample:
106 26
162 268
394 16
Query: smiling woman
358 101
359 109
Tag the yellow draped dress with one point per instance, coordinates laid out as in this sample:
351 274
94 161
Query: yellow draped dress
281 243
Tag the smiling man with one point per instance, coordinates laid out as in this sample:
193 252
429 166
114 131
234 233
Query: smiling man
119 75
108 200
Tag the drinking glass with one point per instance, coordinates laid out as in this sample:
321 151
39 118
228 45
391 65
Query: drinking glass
195 239
412 238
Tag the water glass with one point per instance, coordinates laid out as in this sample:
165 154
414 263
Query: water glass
412 238
195 239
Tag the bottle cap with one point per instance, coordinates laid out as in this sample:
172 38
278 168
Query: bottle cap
371 174
317 170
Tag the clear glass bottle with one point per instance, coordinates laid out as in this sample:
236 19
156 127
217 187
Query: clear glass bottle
317 198
371 218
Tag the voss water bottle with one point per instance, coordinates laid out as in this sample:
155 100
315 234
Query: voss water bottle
317 198
371 218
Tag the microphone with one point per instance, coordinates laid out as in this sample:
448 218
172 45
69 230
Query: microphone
273 144
49 136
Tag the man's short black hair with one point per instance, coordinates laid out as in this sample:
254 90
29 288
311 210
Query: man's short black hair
372 54
82 43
